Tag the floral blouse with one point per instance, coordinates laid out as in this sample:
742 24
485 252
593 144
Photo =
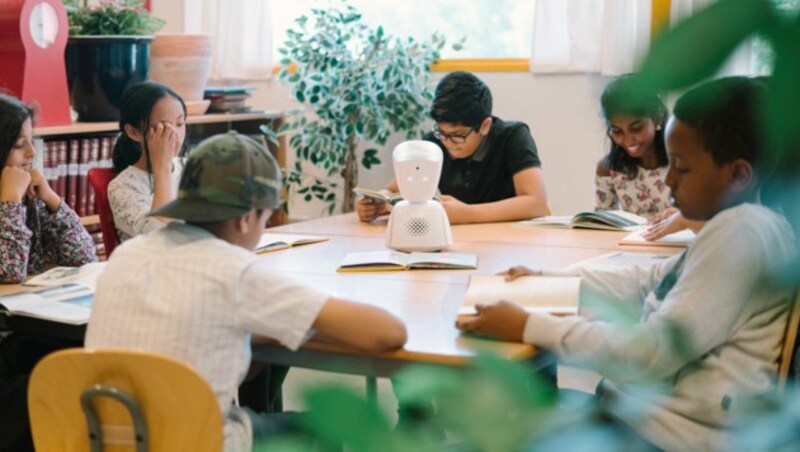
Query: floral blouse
30 236
130 195
646 194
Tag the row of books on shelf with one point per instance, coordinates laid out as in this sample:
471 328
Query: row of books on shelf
65 164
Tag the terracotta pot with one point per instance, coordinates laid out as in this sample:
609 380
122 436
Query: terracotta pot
181 62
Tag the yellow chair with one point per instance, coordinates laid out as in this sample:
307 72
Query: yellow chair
790 347
115 400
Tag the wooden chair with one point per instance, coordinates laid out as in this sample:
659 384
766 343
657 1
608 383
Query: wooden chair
100 178
116 400
787 368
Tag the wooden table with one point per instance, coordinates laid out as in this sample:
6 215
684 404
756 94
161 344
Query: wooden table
426 300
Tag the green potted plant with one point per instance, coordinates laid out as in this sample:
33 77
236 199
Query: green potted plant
356 83
108 49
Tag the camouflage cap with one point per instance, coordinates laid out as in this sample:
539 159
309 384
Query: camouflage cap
224 177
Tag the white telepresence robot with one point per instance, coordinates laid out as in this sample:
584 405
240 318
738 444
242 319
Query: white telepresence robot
418 223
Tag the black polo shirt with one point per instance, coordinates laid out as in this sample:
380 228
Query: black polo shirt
488 174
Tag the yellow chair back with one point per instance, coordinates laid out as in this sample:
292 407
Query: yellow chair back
169 405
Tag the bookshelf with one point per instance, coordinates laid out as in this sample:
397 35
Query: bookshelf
76 161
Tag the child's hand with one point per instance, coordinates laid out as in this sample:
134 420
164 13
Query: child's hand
668 225
519 270
457 211
40 189
663 215
502 320
163 140
369 209
14 183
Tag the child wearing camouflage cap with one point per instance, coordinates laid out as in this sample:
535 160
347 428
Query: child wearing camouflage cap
195 290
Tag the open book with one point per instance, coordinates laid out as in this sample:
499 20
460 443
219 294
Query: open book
273 242
550 294
612 220
392 198
58 276
680 238
391 260
68 303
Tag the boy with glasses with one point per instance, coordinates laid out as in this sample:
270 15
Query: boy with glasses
491 170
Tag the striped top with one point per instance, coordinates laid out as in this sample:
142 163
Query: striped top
182 292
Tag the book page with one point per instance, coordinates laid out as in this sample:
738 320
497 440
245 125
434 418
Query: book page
616 219
70 304
551 294
680 238
442 260
373 261
271 241
59 276
549 221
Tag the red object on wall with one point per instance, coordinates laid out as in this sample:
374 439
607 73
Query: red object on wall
33 36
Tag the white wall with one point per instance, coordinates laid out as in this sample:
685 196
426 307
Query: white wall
563 112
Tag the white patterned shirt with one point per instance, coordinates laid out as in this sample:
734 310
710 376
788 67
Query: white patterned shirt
130 195
645 194
184 293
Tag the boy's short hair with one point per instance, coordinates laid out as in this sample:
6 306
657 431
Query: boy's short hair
225 177
461 98
727 113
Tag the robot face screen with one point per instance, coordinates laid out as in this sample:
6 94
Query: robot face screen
417 167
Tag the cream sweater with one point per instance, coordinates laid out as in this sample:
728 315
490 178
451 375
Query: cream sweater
678 370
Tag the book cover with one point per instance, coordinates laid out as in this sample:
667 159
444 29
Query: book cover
83 184
680 239
73 159
273 242
392 260
550 294
62 170
391 198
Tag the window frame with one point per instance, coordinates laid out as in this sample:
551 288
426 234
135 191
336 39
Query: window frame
659 21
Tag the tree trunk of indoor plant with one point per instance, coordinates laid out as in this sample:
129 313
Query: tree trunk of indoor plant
350 174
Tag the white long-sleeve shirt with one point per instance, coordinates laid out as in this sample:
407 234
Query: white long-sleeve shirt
677 372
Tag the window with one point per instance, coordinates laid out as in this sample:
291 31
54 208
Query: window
493 28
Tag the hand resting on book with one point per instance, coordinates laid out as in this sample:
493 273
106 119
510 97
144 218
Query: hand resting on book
502 320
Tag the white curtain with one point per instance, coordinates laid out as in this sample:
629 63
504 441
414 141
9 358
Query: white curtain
241 31
741 62
609 37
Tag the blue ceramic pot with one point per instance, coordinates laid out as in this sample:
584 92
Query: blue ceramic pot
100 68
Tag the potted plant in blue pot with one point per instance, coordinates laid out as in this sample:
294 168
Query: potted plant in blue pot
108 49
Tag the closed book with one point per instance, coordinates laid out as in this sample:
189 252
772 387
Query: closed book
63 151
73 159
83 184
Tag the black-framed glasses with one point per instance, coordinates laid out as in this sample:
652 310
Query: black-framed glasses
455 138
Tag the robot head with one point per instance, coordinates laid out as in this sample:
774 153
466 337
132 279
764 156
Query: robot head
417 167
